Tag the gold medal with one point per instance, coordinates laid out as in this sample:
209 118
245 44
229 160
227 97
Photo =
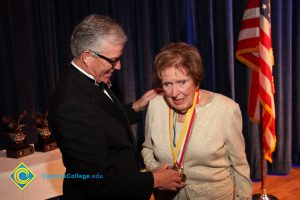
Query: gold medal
180 170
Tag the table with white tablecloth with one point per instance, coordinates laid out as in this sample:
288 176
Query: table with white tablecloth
41 164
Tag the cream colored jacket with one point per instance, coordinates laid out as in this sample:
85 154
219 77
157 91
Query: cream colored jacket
215 163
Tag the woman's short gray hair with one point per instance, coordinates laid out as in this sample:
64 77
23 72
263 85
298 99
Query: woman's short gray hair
92 31
179 55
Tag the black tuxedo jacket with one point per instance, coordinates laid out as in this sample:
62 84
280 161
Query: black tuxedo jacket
95 139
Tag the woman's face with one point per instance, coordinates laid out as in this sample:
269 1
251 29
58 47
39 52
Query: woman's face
179 88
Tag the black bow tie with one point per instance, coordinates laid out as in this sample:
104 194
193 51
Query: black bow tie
102 86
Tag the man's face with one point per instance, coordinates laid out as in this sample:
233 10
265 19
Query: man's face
102 69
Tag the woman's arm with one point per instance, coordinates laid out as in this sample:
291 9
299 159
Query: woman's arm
235 145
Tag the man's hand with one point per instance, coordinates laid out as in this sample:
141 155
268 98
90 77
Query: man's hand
143 102
167 179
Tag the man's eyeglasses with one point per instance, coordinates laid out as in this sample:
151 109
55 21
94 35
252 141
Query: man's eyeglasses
112 62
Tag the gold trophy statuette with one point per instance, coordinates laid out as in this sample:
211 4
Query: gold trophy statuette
17 147
46 141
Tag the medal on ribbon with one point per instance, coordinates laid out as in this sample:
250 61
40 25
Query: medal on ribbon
179 149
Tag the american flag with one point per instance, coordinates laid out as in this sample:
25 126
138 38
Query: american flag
254 49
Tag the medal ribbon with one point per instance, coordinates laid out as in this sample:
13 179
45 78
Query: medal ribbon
179 149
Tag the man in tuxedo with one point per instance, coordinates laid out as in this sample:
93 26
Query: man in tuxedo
92 128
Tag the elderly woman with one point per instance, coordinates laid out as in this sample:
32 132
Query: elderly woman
197 132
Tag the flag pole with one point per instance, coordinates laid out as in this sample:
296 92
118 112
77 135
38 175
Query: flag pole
263 191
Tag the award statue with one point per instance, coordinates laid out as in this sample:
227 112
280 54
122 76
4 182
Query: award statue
45 141
17 146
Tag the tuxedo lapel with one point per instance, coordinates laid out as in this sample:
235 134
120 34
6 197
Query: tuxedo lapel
118 103
116 109
110 106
